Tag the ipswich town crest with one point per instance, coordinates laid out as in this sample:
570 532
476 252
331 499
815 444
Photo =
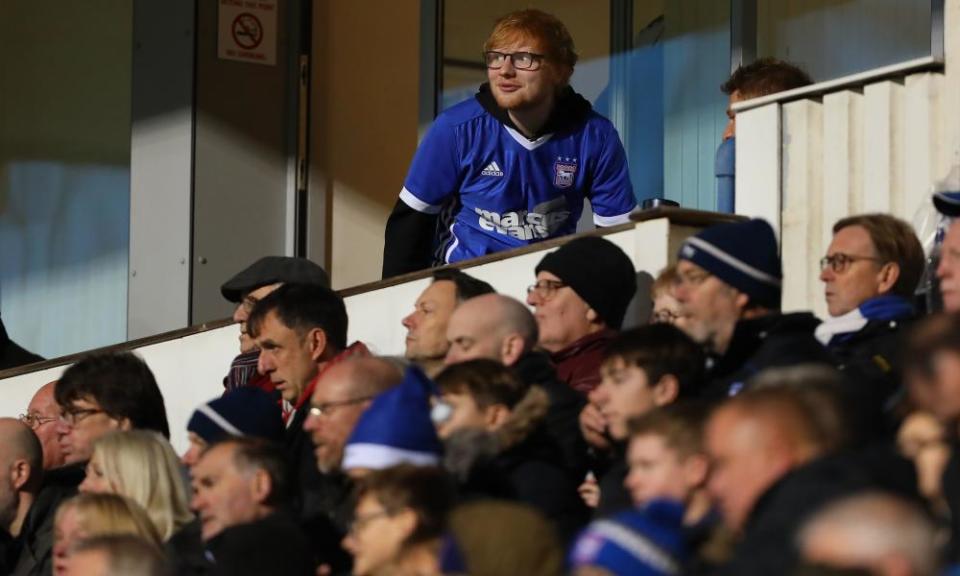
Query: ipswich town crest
564 171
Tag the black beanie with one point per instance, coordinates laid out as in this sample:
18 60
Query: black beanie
599 272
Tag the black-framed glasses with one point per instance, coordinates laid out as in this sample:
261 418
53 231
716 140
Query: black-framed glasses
327 408
520 60
545 288
361 522
34 420
839 262
73 417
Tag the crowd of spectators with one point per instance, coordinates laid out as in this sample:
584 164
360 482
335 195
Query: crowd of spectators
724 437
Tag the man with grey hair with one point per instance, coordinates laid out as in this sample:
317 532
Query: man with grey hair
117 555
873 531
241 494
501 328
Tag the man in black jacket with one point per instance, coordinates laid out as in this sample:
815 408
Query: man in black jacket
240 494
729 292
870 272
27 502
775 459
501 328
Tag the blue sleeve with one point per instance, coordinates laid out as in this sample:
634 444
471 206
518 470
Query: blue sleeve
611 193
434 174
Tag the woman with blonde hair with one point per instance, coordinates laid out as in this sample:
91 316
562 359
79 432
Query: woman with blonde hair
89 515
141 465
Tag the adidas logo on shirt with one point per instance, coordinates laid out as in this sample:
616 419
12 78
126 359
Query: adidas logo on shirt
492 169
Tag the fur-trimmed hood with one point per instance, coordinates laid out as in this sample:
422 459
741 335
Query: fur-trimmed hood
466 449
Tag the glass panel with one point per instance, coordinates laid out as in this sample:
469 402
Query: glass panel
65 173
834 38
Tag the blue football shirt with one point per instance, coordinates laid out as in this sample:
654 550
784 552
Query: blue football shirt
507 191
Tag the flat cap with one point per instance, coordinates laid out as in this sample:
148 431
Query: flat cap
273 269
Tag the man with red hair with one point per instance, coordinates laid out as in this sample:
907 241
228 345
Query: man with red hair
512 165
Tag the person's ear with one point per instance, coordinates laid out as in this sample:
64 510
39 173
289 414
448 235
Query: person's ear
124 424
317 343
666 390
889 274
496 416
511 349
261 486
741 300
407 519
695 470
19 474
592 316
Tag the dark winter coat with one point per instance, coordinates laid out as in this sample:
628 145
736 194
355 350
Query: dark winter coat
535 369
769 536
519 462
770 341
36 536
274 545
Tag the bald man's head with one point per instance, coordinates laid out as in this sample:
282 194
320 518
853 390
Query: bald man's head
43 413
491 326
754 440
873 531
344 391
21 469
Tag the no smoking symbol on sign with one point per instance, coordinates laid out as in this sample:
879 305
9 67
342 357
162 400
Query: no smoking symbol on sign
247 31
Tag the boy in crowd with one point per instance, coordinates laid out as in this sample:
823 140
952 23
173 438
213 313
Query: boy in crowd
666 460
497 444
643 369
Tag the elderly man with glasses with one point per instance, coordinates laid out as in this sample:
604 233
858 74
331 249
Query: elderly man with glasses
729 283
513 165
870 273
41 416
579 300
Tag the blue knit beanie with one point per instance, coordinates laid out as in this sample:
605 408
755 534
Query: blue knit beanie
743 255
396 428
648 541
246 411
947 203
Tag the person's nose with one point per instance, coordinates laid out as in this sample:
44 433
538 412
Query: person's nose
239 314
409 320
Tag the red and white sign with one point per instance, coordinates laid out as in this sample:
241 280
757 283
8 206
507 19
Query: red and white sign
247 31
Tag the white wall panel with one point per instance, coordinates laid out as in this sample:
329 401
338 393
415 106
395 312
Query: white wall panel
802 178
883 132
758 164
923 93
842 159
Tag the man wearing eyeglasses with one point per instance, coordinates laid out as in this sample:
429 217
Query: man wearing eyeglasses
729 283
104 392
513 165
870 273
335 407
41 416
